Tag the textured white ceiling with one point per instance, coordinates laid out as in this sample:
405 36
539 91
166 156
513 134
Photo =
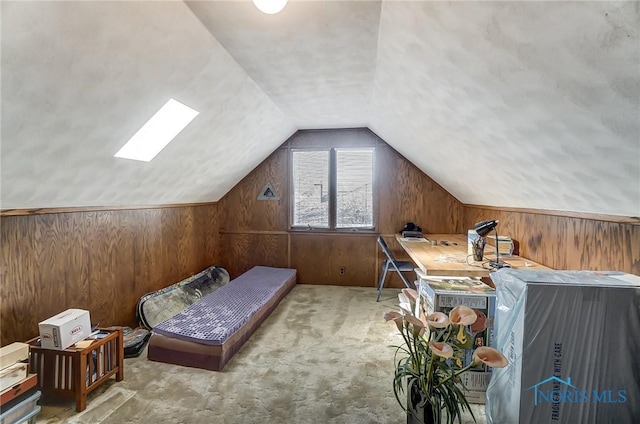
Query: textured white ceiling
315 60
519 104
80 78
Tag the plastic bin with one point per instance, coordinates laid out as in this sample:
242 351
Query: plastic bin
22 411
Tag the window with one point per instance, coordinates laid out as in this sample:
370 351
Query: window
333 188
157 132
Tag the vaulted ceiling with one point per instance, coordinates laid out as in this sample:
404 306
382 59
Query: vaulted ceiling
517 104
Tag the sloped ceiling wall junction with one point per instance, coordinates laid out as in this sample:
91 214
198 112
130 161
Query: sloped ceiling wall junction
517 104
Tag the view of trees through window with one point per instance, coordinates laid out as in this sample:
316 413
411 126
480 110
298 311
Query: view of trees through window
311 188
312 195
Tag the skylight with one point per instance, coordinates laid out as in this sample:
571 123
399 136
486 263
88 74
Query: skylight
167 123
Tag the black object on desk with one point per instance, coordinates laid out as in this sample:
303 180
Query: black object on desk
410 234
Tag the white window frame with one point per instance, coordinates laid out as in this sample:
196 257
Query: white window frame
332 191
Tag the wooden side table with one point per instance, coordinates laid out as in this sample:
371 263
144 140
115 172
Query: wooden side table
74 372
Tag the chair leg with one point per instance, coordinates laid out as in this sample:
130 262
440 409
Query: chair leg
406 282
385 268
404 279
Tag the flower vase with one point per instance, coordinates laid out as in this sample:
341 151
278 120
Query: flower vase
419 414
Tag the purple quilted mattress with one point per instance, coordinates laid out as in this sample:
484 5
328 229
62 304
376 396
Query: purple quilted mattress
218 315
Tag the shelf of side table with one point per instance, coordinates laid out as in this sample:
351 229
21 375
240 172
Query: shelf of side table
74 372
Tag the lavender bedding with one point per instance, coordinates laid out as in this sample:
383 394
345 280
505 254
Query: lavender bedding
218 315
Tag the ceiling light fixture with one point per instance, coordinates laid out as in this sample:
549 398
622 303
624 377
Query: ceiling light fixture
167 123
270 7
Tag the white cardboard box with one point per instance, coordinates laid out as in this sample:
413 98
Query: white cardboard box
475 385
12 374
62 330
443 294
476 396
572 340
12 353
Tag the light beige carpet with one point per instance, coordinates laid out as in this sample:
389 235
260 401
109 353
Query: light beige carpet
323 356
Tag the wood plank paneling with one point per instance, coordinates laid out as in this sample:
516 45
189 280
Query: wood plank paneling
402 193
170 237
59 256
406 194
148 270
620 219
49 211
206 226
17 288
311 256
102 261
77 257
100 231
240 209
49 276
123 264
597 245
631 244
319 257
566 242
328 138
241 252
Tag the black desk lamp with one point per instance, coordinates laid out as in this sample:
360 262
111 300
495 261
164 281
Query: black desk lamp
483 228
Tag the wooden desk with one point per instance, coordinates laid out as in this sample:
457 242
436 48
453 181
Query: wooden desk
449 256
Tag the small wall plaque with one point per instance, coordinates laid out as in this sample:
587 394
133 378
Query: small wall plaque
268 193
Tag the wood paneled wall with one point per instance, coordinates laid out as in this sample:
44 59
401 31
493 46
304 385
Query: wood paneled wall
257 232
406 194
102 261
566 242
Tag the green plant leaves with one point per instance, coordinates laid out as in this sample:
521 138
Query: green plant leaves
434 377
